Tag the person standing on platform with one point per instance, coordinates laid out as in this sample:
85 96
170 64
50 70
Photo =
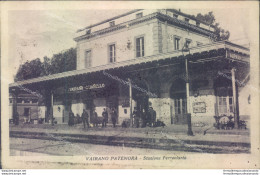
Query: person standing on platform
105 118
143 118
16 118
153 117
149 117
136 117
71 118
85 117
114 117
95 118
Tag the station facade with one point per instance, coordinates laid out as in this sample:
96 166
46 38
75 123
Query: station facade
163 59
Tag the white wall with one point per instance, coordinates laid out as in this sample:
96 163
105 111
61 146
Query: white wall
41 111
57 114
206 118
121 114
100 104
244 92
169 31
163 109
77 108
99 45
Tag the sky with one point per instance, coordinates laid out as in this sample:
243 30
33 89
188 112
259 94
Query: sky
38 33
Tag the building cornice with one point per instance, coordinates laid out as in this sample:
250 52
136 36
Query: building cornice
117 27
189 16
184 24
110 19
156 15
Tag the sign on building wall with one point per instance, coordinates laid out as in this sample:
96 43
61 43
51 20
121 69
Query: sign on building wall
86 87
199 107
237 56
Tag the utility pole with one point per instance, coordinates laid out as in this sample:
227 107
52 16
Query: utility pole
187 85
234 90
14 100
186 49
130 98
51 112
190 133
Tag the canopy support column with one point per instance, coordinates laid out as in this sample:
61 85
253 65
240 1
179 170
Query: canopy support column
130 98
235 99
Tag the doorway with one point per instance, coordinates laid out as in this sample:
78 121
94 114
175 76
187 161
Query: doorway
179 107
225 106
224 97
140 96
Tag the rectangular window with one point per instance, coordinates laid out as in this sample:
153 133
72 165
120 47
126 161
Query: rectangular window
177 107
26 112
231 106
88 58
197 23
225 105
222 106
112 53
176 43
139 15
180 106
112 23
140 47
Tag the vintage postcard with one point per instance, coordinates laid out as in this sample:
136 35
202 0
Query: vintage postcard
136 85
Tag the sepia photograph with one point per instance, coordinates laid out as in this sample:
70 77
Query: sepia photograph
130 85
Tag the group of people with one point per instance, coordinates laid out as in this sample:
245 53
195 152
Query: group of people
97 120
143 118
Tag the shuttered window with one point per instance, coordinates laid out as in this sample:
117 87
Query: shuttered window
88 59
112 53
176 43
140 47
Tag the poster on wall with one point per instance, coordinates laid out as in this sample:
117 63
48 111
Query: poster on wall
199 107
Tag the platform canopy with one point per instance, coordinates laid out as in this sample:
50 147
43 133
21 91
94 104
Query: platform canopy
214 51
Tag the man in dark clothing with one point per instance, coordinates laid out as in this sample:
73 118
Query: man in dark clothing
105 118
143 118
114 117
95 118
136 116
16 119
71 118
149 117
153 116
85 117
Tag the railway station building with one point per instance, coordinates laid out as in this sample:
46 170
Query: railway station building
163 59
